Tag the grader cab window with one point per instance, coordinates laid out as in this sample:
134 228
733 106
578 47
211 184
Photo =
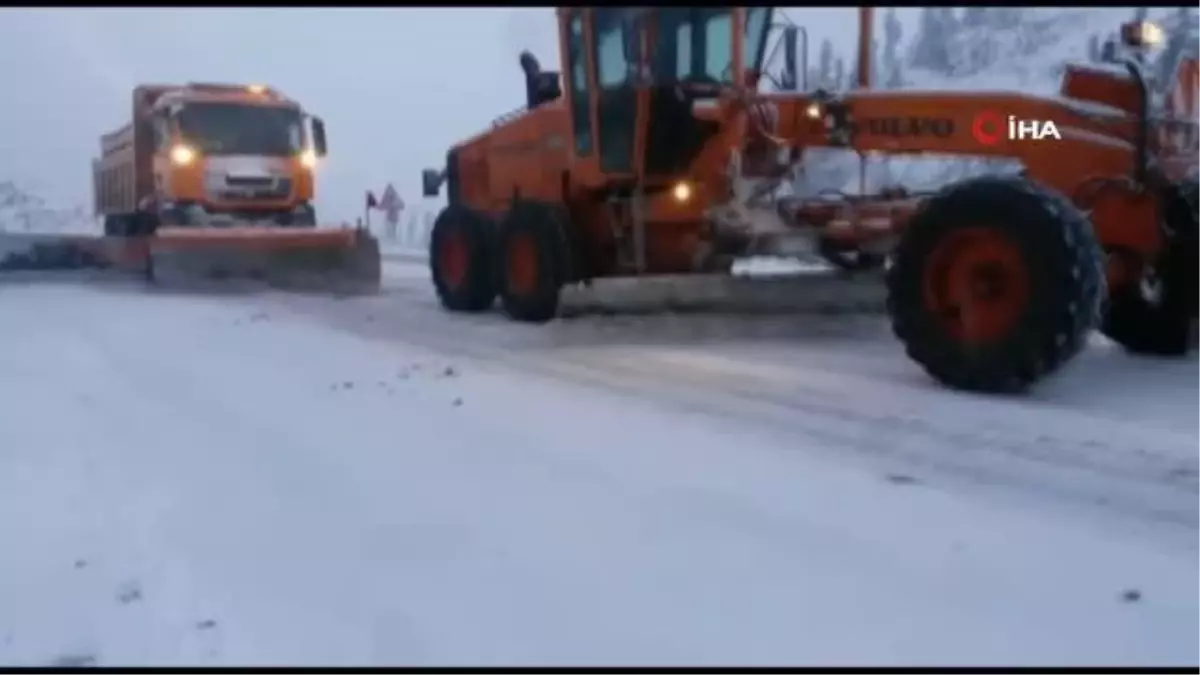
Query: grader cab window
696 44
613 67
613 50
689 44
758 25
577 81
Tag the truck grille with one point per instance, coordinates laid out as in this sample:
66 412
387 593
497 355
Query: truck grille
241 189
249 183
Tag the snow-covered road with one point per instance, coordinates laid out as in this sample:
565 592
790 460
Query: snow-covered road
266 478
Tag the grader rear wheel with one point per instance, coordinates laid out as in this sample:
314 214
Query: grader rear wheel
995 284
533 261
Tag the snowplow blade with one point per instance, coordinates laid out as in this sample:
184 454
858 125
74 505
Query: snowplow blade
341 260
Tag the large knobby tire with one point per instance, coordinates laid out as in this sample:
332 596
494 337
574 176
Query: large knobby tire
460 260
532 261
1155 316
996 283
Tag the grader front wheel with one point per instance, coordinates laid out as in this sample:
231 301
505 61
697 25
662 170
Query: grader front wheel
1154 313
995 284
460 260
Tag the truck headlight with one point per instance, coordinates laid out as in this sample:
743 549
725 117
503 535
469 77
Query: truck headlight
682 191
182 155
308 159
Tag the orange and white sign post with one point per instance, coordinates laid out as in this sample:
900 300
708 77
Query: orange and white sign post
392 206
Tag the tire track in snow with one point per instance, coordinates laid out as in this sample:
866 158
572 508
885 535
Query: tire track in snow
1118 467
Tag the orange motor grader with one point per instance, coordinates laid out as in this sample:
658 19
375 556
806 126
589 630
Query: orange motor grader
653 151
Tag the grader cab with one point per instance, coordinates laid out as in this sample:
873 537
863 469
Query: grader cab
656 151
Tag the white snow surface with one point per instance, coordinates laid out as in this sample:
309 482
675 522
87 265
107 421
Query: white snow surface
271 479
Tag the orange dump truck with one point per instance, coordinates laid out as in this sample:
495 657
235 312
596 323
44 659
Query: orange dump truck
203 154
220 178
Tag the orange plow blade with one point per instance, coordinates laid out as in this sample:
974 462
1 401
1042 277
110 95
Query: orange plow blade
339 260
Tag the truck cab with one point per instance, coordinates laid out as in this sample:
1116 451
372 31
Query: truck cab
209 154
245 153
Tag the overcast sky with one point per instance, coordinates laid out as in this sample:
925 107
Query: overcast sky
396 86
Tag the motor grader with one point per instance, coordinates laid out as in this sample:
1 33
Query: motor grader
654 151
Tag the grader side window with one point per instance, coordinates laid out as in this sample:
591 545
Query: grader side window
612 66
578 83
758 24
683 50
696 43
718 40
614 51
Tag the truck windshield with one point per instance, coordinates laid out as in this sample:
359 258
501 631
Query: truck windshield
236 129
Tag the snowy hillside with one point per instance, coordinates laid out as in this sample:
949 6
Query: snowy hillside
23 210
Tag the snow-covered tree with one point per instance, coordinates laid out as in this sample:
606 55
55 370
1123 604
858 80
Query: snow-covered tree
921 51
839 73
825 65
1003 18
889 62
975 17
948 20
877 74
1095 51
930 48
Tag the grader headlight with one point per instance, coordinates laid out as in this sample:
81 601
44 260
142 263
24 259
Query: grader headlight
1142 34
682 192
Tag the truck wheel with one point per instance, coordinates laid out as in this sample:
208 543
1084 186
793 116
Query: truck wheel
533 261
1154 315
460 260
848 259
995 283
303 216
142 224
115 226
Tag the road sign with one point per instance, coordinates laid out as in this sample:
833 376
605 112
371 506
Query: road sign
390 199
392 205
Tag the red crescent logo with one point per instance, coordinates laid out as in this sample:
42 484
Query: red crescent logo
988 128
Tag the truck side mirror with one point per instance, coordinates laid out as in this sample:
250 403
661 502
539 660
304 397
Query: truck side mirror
318 132
790 79
431 182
